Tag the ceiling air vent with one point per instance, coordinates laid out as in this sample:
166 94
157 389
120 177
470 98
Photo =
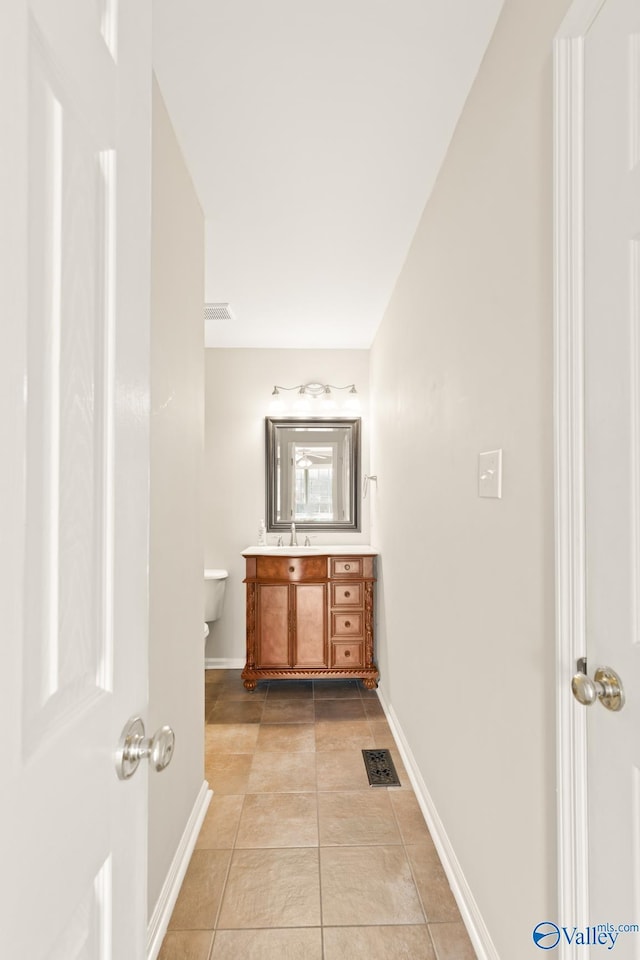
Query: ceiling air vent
218 311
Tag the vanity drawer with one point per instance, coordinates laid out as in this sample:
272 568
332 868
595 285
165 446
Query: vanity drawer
291 568
346 566
346 624
346 594
346 655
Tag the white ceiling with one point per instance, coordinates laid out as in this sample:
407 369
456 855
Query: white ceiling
313 133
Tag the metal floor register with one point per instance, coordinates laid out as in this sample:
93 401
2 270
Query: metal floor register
380 768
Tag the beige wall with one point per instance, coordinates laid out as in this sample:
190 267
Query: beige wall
238 387
463 363
176 547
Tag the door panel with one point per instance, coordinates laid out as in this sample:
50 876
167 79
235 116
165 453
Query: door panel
69 458
85 935
310 613
273 634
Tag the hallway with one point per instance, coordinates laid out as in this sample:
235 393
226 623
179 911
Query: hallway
298 857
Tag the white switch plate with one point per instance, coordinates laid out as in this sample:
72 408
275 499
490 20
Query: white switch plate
490 474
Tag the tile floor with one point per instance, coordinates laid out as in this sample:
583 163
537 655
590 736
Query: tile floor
298 857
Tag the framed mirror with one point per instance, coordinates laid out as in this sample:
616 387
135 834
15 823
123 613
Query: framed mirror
313 473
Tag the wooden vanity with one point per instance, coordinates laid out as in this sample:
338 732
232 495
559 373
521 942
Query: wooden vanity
310 616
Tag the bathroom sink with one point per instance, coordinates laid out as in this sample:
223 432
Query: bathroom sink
305 548
289 550
327 549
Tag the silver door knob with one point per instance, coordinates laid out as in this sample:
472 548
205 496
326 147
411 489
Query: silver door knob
606 687
134 747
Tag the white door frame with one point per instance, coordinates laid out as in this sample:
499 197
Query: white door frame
571 730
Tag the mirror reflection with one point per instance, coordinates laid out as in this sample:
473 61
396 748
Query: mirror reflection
312 473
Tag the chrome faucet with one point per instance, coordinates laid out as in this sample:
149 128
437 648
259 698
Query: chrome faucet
293 542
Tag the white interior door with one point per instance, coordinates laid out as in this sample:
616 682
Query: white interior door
598 472
612 457
74 294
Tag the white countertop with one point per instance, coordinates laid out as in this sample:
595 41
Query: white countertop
319 549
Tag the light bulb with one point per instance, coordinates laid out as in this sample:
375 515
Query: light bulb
353 400
276 403
328 400
302 402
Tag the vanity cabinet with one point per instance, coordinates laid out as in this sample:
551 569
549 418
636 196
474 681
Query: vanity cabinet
309 617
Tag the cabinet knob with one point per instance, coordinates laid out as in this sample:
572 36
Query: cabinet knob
292 569
347 653
347 623
347 593
347 566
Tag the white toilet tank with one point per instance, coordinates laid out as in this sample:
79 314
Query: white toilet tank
215 582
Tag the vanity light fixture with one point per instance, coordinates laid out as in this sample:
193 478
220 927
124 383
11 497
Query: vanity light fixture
315 398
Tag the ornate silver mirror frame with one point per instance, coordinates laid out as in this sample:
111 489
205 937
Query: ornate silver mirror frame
312 473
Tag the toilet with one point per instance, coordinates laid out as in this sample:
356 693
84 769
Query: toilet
215 582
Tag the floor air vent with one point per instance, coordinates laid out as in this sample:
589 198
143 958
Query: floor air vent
380 768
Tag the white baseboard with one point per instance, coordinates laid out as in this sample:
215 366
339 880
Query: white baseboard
159 921
473 921
222 663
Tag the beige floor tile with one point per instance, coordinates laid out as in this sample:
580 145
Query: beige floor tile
218 831
409 816
342 734
286 689
282 783
373 709
381 733
228 678
335 689
235 690
280 772
261 831
199 900
272 888
359 817
367 886
215 676
294 710
437 899
230 738
344 709
228 773
186 945
451 941
287 944
342 770
378 943
235 711
290 737
278 820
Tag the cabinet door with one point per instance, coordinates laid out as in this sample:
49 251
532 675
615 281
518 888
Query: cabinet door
310 618
272 626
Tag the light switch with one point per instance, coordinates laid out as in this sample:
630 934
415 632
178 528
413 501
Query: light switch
490 474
